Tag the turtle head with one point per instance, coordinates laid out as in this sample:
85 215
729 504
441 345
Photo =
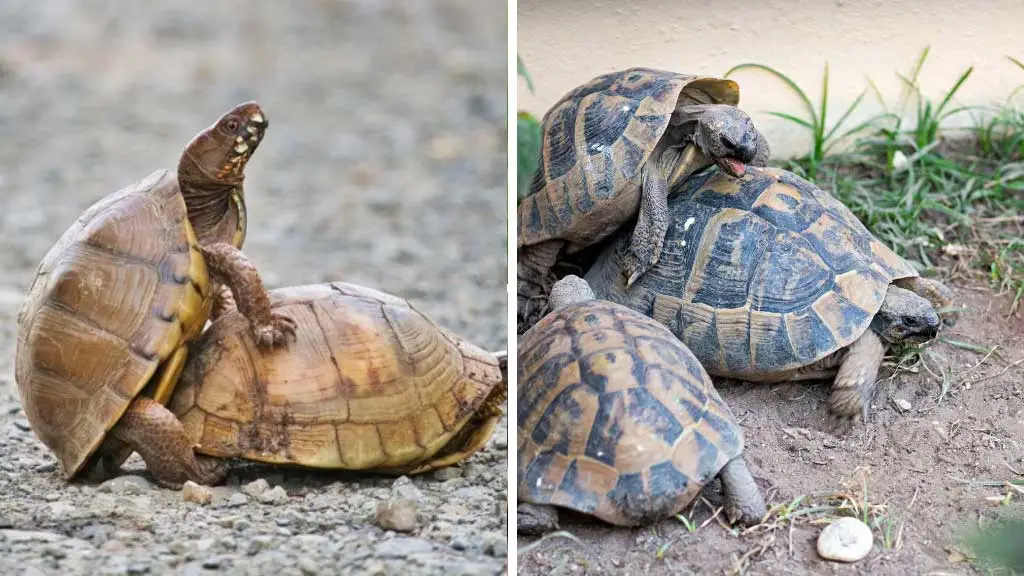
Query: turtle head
726 135
218 154
905 318
569 290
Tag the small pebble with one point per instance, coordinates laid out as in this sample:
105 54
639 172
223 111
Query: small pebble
903 405
256 487
845 540
276 495
404 489
126 485
192 492
398 515
449 473
237 499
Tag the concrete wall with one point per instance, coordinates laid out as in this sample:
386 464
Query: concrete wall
566 42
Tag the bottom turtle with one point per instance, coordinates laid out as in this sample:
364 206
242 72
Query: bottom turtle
617 419
370 384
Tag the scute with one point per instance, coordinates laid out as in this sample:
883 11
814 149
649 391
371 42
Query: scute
759 275
369 383
596 139
616 418
99 318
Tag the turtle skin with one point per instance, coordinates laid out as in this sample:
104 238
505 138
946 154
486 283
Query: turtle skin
616 418
370 383
593 174
764 278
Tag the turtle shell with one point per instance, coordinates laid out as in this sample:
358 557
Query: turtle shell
370 384
758 276
113 301
616 418
596 139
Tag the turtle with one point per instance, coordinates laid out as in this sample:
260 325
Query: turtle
618 420
769 278
611 150
103 332
370 384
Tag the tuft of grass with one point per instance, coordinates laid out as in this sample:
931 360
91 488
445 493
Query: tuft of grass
815 120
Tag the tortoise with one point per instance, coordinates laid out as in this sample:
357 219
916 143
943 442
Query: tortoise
371 383
617 419
768 278
104 329
611 150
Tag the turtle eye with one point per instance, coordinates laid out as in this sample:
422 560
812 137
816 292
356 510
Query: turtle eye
231 125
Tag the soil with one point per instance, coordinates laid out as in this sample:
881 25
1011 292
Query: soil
384 165
923 464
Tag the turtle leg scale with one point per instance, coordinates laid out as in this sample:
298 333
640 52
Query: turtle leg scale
534 280
223 302
651 225
855 380
159 437
230 266
536 519
745 502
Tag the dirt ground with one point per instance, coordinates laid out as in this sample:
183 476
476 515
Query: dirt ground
384 165
919 463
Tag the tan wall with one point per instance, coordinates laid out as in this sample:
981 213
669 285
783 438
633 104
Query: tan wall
566 42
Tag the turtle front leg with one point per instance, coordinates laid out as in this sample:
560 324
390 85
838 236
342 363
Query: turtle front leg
534 280
223 302
651 225
745 504
159 437
855 380
933 291
230 266
536 519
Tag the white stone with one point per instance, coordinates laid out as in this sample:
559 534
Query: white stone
845 540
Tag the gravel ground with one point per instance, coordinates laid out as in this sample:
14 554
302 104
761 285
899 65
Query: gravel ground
384 165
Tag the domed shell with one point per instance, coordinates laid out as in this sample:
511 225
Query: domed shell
113 301
759 275
596 139
617 419
370 383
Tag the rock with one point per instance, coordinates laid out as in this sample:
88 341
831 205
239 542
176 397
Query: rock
404 489
308 566
401 547
192 492
902 404
256 487
459 542
126 485
845 540
449 473
398 514
276 495
18 536
237 499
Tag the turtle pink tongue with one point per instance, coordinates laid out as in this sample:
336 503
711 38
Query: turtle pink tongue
733 166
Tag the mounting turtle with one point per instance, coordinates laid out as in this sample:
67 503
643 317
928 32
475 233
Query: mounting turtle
612 148
768 278
370 383
103 332
618 420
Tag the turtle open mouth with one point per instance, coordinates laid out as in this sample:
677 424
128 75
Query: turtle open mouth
732 167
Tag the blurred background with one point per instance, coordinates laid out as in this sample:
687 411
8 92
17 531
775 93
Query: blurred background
384 165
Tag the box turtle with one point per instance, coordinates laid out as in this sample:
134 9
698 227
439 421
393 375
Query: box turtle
618 420
104 329
370 383
769 278
611 150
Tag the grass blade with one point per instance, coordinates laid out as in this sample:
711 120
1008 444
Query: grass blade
789 82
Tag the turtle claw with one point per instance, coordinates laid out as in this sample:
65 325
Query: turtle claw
275 332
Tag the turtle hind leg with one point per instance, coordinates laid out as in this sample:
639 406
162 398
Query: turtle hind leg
159 437
855 380
935 292
745 504
534 280
651 225
536 519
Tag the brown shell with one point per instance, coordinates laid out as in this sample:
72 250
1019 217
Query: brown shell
596 139
116 297
616 417
370 383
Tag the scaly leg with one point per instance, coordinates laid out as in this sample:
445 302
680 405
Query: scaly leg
651 225
855 382
159 437
230 266
745 502
223 302
933 291
534 281
536 519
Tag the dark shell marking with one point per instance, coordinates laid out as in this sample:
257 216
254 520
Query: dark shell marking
596 139
758 276
616 418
